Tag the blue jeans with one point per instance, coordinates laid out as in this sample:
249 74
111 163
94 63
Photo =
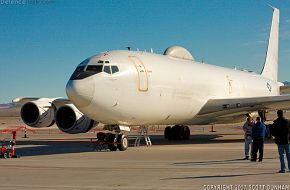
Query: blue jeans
284 149
248 145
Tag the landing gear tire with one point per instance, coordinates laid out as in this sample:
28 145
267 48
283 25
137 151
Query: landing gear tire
111 142
167 133
123 142
101 137
177 132
187 133
5 155
262 114
112 147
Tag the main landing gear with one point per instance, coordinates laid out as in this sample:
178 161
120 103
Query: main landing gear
116 140
262 114
177 132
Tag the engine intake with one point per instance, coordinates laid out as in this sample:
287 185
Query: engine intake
70 120
38 113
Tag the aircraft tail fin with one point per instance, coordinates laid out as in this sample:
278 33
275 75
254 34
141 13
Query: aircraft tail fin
270 69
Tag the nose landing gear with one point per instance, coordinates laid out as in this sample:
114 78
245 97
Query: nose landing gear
116 140
122 142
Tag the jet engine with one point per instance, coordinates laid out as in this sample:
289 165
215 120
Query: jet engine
70 120
38 113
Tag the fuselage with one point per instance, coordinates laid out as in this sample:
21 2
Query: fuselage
148 88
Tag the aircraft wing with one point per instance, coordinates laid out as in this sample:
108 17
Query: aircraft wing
13 109
23 100
56 101
230 110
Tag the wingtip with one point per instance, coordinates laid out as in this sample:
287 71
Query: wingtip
15 100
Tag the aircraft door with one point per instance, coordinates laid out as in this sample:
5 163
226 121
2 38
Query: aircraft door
142 73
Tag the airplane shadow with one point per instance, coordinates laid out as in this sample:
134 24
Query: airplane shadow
50 147
220 176
194 139
215 162
35 147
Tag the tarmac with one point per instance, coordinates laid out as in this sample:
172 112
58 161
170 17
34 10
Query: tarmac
209 160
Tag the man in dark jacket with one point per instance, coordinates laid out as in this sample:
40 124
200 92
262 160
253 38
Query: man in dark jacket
258 135
281 134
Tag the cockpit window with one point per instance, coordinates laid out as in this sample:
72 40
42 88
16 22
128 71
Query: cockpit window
79 70
80 73
85 62
94 68
115 69
107 69
111 69
85 71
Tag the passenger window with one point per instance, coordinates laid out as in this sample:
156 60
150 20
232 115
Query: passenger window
115 69
107 69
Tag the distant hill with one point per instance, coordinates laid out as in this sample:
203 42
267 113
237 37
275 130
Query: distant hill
9 110
286 83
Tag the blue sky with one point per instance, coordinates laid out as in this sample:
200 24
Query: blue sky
42 43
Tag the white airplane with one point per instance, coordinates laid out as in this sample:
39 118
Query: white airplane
136 88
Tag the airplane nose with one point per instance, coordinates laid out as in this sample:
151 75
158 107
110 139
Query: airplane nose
81 92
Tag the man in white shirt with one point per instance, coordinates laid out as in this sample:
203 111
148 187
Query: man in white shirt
248 137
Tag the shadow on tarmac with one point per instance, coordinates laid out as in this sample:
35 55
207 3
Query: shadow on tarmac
44 147
194 139
214 162
36 147
220 176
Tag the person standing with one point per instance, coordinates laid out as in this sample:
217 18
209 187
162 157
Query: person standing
281 134
258 135
247 127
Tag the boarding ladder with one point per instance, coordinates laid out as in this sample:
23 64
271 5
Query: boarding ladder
143 132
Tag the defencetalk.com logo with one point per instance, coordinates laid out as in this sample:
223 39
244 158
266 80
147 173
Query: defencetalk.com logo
26 2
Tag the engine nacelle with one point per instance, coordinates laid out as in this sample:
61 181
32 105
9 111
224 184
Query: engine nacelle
38 113
70 120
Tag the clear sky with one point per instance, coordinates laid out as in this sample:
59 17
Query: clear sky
41 42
